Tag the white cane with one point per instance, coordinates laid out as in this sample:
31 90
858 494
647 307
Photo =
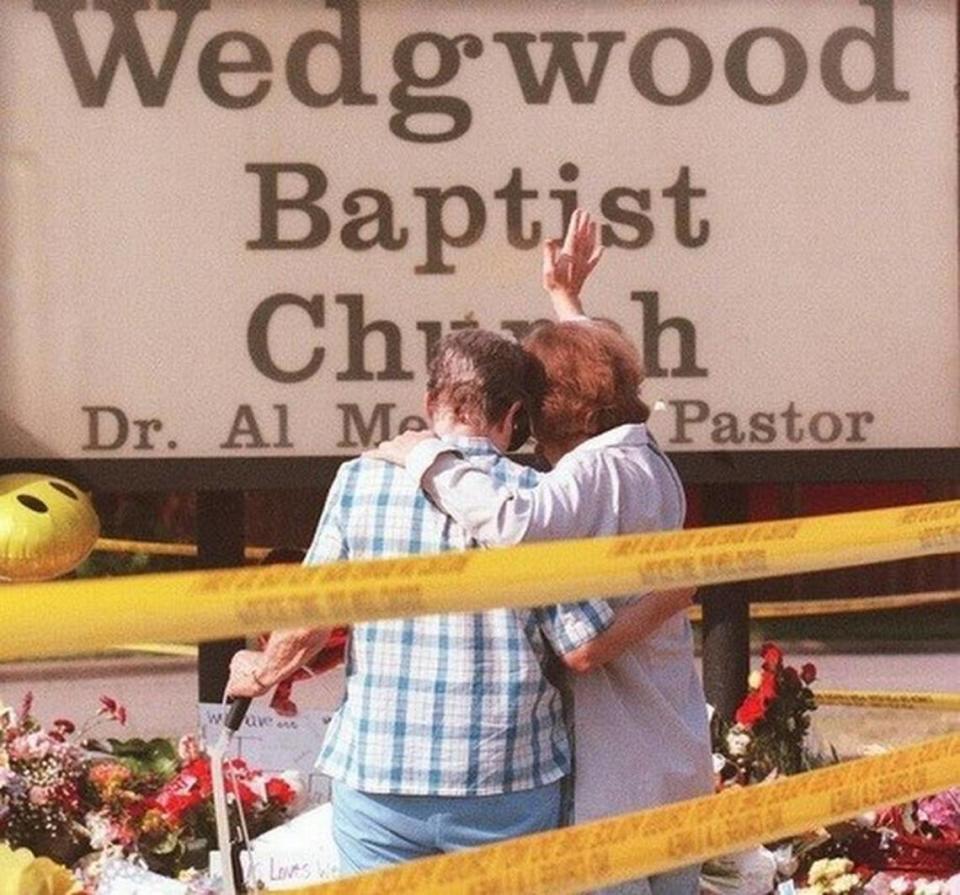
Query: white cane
231 872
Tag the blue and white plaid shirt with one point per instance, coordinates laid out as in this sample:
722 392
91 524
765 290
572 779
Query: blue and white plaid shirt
451 705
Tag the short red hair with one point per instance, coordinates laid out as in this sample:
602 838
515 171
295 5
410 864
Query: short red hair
593 375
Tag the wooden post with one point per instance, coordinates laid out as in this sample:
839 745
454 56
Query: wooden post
726 611
220 543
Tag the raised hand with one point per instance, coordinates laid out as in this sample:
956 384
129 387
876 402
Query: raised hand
567 265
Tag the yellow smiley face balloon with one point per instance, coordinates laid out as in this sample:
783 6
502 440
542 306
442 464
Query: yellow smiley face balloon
47 527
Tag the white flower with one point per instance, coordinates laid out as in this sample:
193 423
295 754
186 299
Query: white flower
818 871
845 883
900 885
827 871
928 887
738 741
838 867
190 748
99 830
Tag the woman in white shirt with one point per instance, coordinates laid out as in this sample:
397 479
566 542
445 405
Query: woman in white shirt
640 716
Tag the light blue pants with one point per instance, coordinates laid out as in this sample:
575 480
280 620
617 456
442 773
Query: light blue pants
373 830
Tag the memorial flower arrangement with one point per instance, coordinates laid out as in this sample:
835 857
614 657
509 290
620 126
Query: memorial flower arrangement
70 798
910 849
41 785
769 735
155 800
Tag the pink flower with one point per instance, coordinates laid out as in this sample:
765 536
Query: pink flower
112 709
941 810
8 780
39 795
31 747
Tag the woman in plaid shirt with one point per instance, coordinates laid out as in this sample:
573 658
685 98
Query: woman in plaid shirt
450 733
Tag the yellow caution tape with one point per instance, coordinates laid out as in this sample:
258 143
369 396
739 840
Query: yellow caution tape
160 548
83 615
943 702
842 605
766 609
616 849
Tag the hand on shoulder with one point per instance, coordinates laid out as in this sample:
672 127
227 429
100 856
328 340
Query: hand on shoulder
397 450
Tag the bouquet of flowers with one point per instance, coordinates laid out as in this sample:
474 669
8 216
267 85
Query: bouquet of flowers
155 800
769 735
65 796
909 849
41 785
768 738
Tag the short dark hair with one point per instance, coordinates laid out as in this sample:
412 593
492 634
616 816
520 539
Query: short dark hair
478 375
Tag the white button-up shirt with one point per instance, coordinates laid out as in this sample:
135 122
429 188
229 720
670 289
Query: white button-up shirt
642 737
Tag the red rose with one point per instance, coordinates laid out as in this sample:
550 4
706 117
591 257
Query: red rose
197 771
248 798
772 656
767 690
808 673
279 791
752 709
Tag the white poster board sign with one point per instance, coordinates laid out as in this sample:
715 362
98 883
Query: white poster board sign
236 229
289 857
270 741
